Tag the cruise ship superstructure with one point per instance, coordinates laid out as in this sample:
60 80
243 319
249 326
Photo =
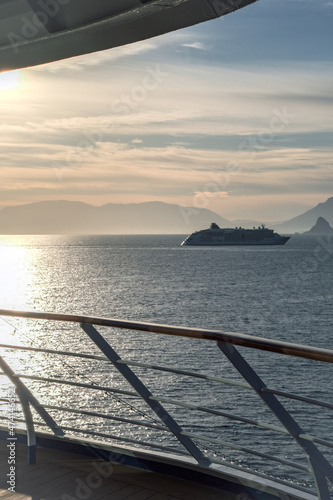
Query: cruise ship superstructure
235 236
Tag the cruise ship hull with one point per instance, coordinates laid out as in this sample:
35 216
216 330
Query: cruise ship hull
276 241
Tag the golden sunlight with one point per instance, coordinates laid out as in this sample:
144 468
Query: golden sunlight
9 80
15 276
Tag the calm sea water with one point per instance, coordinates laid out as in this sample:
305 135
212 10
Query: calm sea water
282 293
279 292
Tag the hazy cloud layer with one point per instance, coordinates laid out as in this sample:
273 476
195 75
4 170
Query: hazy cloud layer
234 115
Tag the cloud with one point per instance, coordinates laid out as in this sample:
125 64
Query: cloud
196 45
98 126
106 57
180 168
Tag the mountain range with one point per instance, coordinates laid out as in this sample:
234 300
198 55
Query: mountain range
308 219
71 217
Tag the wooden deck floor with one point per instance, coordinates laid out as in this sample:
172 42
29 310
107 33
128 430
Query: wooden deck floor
66 476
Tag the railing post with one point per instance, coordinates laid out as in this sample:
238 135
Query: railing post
321 468
320 480
26 399
31 435
145 394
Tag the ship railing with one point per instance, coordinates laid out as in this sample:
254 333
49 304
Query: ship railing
235 422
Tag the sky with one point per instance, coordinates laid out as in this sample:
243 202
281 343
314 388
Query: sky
233 115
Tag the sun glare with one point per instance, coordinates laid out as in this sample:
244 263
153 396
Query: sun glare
16 276
9 80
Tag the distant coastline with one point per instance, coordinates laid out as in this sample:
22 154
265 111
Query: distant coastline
72 217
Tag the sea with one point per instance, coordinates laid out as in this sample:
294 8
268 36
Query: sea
278 292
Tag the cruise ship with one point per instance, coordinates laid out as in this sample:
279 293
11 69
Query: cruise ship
235 236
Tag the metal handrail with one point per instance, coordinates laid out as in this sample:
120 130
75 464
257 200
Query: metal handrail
53 351
260 343
220 380
319 466
169 401
130 363
95 387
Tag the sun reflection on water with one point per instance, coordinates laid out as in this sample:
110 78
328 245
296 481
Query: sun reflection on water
16 275
18 267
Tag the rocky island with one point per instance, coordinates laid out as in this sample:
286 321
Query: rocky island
320 227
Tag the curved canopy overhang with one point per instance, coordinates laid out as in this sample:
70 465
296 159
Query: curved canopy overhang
34 32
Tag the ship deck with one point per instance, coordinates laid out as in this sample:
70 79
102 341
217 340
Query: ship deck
59 475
